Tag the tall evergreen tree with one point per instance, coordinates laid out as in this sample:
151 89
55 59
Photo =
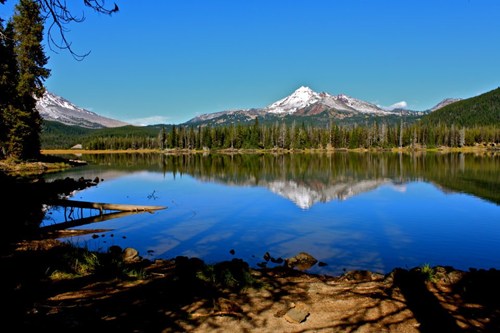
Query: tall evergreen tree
25 121
9 77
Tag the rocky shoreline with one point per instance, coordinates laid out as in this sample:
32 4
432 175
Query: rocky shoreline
185 294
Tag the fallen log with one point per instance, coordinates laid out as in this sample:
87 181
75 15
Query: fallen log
83 221
101 206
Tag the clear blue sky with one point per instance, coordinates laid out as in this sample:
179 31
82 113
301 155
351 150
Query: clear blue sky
168 61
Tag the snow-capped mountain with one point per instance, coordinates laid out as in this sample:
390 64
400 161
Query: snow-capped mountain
302 102
299 99
56 108
305 97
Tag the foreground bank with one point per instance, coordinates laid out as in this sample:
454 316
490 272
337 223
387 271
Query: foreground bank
58 287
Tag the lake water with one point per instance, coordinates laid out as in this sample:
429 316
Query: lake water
373 211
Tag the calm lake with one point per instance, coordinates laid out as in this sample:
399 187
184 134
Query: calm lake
374 211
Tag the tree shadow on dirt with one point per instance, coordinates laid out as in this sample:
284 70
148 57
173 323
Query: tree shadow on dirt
480 292
453 300
425 306
185 294
178 295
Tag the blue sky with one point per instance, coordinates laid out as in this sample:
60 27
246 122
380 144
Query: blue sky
168 61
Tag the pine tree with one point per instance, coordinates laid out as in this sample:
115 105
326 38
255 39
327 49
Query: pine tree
25 129
8 83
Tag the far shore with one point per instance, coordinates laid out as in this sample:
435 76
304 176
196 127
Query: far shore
468 149
44 165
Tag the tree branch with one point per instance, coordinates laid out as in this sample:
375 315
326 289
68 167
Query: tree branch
60 14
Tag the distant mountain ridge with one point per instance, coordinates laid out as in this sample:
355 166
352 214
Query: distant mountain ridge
303 104
306 104
56 108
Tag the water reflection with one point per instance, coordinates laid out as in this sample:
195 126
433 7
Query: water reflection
307 179
349 210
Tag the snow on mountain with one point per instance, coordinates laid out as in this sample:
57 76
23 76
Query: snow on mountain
56 108
299 99
344 102
306 97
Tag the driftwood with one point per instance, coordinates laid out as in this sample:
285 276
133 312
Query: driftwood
104 206
118 210
83 221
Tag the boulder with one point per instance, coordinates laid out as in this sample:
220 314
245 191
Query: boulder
301 261
130 255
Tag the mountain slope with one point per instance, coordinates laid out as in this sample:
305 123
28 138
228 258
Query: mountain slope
56 108
443 103
480 110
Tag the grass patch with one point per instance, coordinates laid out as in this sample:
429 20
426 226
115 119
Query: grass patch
234 275
428 272
80 261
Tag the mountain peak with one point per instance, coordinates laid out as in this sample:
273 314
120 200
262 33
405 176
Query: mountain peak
300 98
303 89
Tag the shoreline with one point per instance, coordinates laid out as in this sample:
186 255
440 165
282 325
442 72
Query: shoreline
468 149
186 295
50 160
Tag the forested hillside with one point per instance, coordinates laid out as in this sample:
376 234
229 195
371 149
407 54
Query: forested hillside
480 110
56 135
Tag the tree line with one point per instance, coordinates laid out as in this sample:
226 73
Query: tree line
301 136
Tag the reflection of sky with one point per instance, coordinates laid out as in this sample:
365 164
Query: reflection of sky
378 230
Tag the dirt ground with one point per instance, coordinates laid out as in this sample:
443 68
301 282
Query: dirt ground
171 297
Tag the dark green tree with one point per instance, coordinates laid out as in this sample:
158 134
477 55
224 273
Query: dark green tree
23 119
8 82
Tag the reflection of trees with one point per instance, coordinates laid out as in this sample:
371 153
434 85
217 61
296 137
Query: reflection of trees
23 199
476 174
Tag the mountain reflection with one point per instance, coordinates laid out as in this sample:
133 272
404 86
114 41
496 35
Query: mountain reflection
309 178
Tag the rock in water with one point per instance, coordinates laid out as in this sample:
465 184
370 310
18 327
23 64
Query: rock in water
301 261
